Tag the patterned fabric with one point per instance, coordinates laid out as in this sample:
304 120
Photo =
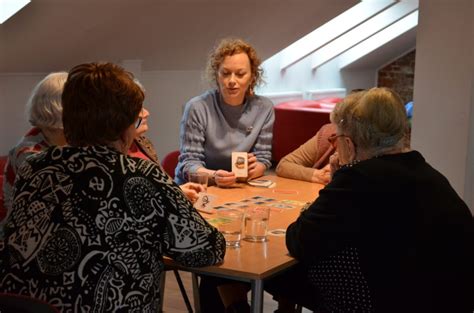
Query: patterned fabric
89 228
135 152
342 283
32 143
146 146
211 130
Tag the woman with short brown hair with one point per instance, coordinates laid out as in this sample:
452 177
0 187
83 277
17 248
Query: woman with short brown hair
90 225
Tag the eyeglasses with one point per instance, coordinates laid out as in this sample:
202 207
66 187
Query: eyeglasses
332 139
138 122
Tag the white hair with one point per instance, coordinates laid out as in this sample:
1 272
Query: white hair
136 81
44 108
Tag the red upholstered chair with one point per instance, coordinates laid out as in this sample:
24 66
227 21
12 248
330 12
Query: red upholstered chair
170 161
298 121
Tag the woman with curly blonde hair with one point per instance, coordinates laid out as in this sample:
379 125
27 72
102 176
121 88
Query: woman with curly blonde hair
227 118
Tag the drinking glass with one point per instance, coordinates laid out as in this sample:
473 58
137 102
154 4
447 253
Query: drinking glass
199 178
256 223
230 225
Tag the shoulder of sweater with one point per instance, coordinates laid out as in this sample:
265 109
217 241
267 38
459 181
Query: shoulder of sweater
206 97
263 101
200 102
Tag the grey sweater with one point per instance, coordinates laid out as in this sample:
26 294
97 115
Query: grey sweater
211 130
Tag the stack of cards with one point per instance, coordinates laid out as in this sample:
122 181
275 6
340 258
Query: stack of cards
261 183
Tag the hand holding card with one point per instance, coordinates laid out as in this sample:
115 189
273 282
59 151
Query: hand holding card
255 168
224 178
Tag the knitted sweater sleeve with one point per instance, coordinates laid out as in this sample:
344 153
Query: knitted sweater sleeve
192 137
299 163
263 147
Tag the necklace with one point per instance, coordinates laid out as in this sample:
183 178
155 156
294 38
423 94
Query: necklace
354 162
351 163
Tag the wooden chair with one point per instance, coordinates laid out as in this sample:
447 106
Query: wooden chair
24 304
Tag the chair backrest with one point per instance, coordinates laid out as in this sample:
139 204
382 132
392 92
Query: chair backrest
298 121
24 304
170 161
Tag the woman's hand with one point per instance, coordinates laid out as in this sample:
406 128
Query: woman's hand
255 168
224 178
334 163
191 191
322 176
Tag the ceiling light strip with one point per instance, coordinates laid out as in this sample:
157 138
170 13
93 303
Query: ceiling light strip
379 39
332 29
362 32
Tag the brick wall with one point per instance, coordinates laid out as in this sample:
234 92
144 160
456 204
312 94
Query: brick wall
399 75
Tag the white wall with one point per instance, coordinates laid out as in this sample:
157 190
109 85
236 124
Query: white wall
444 90
166 94
15 90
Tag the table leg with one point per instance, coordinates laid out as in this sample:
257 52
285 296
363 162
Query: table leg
257 296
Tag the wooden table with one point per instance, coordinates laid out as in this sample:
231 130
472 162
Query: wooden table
255 262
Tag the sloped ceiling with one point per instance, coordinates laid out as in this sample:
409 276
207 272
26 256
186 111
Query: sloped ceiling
387 53
50 35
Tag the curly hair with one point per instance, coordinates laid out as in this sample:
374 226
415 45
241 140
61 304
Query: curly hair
375 119
228 47
100 101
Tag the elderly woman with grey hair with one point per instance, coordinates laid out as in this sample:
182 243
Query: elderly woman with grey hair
388 233
44 112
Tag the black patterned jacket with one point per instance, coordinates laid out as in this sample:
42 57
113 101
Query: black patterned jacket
90 226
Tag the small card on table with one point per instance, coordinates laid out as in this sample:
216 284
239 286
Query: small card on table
204 202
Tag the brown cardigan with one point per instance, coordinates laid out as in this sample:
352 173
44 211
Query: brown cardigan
313 154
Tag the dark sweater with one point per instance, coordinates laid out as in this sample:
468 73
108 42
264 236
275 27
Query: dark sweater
388 234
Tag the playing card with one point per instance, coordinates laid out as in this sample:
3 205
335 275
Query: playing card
204 202
240 164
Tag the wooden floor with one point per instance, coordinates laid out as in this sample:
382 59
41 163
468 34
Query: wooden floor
174 303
